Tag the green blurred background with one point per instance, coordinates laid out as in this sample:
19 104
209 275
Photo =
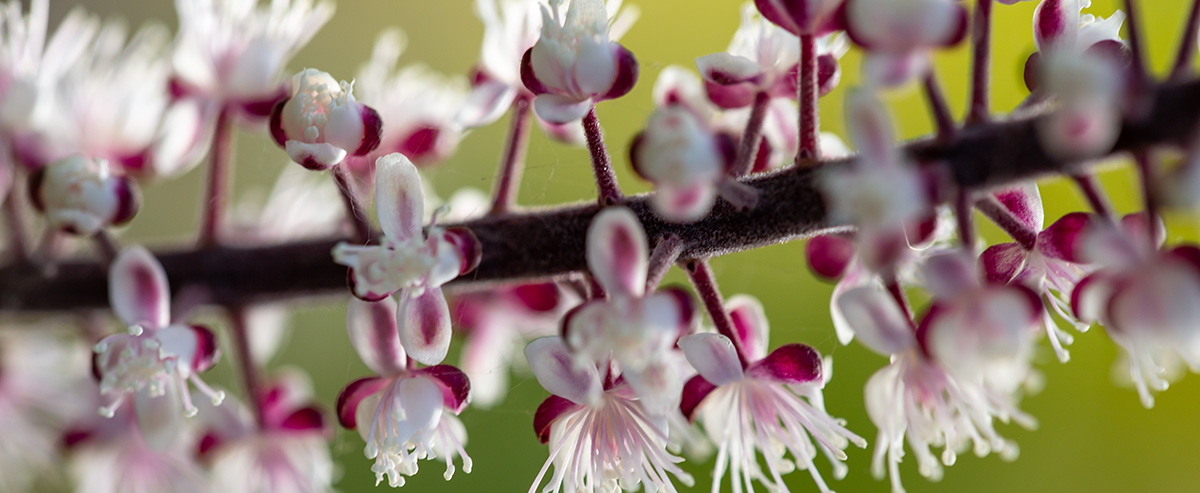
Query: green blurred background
1093 434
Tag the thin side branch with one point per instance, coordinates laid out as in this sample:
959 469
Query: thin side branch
548 243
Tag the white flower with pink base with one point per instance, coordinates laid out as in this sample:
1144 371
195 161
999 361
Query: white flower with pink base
321 123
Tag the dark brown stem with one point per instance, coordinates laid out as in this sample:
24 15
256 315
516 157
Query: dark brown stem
18 237
1006 220
109 248
943 122
748 148
513 162
705 283
216 191
808 94
251 380
665 253
981 69
1187 46
606 178
549 243
1094 193
1138 60
354 210
963 215
1148 168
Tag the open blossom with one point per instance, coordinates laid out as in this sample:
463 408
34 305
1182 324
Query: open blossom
951 376
321 123
600 435
231 53
575 63
1052 266
155 357
688 164
634 328
764 58
404 414
83 195
112 456
410 261
900 35
497 324
767 404
288 452
1146 299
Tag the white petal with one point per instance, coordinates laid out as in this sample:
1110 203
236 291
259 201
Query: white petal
750 320
877 320
138 290
595 67
555 368
314 156
723 68
486 104
713 356
424 325
559 109
399 201
617 252
374 335
160 419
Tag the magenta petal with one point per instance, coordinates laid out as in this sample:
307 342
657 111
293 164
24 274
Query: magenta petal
369 297
685 305
694 392
207 350
960 31
456 387
275 123
1062 240
549 411
424 325
791 363
353 394
788 14
467 245
1137 226
138 290
372 130
635 153
528 77
829 73
829 255
1002 263
129 200
730 97
541 297
749 324
304 419
1052 20
1189 254
627 73
1025 203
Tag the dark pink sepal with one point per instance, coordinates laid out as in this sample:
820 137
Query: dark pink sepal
549 411
791 363
694 392
353 394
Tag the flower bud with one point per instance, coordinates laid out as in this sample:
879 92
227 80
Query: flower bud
81 195
321 123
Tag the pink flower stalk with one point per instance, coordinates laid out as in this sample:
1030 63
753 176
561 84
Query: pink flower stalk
802 16
900 36
321 123
497 324
880 192
412 411
1145 297
287 452
417 106
156 356
688 164
600 434
409 261
575 63
635 329
952 375
38 366
1051 266
231 53
765 58
82 195
772 406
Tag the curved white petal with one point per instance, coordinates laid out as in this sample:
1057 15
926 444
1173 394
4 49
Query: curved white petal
713 356
138 290
375 336
399 200
877 320
556 369
424 325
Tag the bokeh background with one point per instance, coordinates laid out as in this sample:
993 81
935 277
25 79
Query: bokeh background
1093 433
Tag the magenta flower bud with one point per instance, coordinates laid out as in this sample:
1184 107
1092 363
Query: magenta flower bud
321 123
82 195
800 17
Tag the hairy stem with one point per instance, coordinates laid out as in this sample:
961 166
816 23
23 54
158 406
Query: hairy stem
981 58
665 253
513 162
991 207
216 191
808 94
1187 45
963 215
354 209
748 148
1095 196
705 283
1148 168
606 178
1138 60
549 243
109 248
251 380
943 122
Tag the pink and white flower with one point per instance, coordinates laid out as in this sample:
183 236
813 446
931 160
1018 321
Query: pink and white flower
410 261
321 123
155 357
635 329
82 195
771 406
1051 266
110 455
1145 297
287 452
411 411
1061 25
575 63
497 323
900 36
600 434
